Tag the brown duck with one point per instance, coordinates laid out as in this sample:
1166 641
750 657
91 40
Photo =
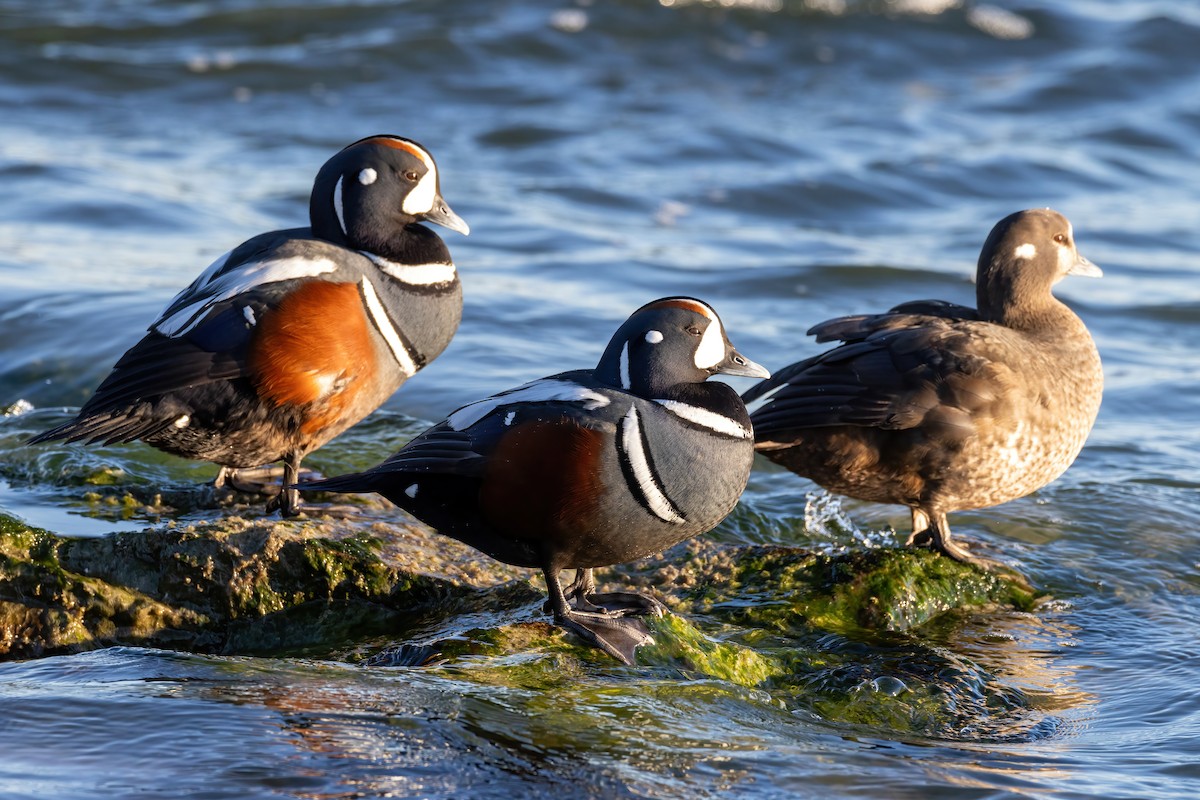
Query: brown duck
941 407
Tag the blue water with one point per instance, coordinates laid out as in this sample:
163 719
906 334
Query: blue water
786 161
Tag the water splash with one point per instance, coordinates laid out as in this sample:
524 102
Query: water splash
832 529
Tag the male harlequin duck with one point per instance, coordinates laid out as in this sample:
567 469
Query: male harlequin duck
589 468
941 407
298 334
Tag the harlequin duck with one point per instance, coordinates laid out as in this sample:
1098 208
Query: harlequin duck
295 335
589 468
941 407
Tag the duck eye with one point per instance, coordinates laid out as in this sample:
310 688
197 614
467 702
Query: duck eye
1061 238
693 330
411 175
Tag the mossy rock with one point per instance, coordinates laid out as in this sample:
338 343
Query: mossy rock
791 589
237 585
232 585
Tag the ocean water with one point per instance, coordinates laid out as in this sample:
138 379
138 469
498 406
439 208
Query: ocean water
786 160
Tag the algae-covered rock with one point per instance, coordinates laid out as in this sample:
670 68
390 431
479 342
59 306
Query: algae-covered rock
235 585
783 588
231 586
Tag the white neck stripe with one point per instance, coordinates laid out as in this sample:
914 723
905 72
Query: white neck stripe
385 327
718 423
645 482
414 274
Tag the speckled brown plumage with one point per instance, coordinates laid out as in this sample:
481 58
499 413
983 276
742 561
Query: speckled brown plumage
941 407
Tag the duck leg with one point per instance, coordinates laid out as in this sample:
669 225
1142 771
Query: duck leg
252 480
617 636
937 535
288 499
582 595
934 531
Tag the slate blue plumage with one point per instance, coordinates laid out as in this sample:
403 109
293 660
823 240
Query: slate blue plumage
588 468
295 335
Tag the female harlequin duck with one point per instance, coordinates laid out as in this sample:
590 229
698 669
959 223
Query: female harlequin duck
941 407
298 334
589 468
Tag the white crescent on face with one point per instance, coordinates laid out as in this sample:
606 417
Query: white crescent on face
420 199
712 345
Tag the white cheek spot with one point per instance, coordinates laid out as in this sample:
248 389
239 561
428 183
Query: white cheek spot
654 337
509 417
248 313
367 176
411 491
712 346
420 199
183 421
337 205
1026 251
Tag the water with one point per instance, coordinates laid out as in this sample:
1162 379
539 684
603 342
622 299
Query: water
787 161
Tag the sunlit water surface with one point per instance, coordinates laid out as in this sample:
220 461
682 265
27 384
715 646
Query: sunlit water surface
787 161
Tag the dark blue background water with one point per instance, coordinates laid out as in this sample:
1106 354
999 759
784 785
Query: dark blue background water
787 161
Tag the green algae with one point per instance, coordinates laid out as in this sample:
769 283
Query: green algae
228 586
788 589
681 645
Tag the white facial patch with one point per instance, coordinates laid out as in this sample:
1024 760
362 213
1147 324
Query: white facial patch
420 199
717 423
623 366
712 346
188 307
645 483
367 176
337 205
535 392
1025 251
654 337
386 329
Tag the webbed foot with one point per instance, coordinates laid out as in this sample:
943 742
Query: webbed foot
620 637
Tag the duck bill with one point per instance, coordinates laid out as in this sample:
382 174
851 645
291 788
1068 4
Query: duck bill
442 215
737 364
1084 268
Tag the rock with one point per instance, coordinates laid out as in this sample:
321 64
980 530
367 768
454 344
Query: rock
236 585
230 586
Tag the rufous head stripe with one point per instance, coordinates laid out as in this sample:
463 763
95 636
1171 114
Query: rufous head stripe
396 143
685 303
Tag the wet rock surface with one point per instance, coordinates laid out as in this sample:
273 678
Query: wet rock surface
239 585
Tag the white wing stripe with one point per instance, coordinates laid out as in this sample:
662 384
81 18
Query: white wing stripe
645 482
718 423
240 279
535 392
386 329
